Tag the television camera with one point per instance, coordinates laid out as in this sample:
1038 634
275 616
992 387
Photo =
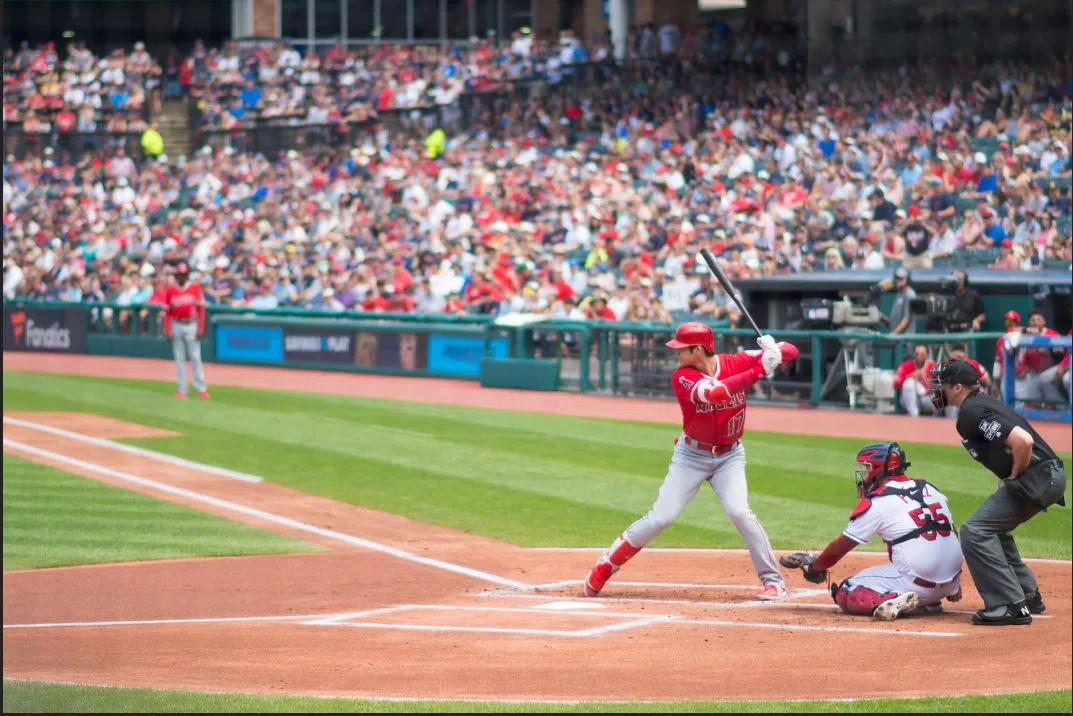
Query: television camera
844 314
940 310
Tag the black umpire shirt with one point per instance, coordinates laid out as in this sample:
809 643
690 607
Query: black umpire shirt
984 423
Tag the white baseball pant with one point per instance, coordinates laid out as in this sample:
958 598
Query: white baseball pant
689 469
915 398
186 347
885 578
1044 387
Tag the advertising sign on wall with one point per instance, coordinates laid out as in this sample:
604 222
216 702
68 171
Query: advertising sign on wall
397 351
318 345
249 344
461 355
44 329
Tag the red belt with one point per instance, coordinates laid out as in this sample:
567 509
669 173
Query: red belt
710 447
927 584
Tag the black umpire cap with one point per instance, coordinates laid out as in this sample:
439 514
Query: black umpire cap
957 372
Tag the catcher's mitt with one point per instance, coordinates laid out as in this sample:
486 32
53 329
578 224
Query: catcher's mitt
803 561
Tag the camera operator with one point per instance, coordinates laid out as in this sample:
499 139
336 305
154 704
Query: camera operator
901 317
968 314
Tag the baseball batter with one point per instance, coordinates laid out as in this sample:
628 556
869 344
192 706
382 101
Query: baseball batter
184 325
915 521
711 391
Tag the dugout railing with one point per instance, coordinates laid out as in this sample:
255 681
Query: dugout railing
834 368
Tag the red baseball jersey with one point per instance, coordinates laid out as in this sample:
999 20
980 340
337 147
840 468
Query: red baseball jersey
1038 360
909 367
713 407
183 304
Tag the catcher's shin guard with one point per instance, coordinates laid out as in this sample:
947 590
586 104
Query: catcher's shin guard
617 555
861 601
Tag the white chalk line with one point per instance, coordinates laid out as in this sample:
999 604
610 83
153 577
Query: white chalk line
268 516
734 550
159 622
132 450
626 621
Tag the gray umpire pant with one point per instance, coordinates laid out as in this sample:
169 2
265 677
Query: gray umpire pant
187 347
991 555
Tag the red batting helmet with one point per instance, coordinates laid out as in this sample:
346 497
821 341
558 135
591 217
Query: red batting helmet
1013 316
877 461
693 334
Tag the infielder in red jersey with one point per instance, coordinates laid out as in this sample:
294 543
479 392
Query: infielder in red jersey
184 325
711 391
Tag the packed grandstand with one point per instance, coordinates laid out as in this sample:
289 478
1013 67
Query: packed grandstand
544 180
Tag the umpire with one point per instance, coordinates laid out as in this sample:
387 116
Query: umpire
1031 479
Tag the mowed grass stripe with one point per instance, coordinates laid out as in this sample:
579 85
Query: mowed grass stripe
532 479
88 522
36 697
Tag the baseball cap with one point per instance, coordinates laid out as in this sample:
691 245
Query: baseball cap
957 372
1013 316
901 273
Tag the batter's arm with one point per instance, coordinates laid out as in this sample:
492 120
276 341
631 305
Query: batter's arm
734 363
716 390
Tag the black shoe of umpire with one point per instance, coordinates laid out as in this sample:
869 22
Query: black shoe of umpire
1004 614
1035 603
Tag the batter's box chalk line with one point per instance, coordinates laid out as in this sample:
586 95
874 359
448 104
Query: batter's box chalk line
620 621
543 591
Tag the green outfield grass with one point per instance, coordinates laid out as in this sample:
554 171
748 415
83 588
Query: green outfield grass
54 518
28 697
531 479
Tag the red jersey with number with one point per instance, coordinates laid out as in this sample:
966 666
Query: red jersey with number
184 303
713 407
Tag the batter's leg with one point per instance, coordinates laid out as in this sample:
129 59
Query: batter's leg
178 348
728 483
689 468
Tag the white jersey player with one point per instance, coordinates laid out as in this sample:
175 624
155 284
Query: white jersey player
914 520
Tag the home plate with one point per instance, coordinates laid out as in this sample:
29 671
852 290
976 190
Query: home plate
569 606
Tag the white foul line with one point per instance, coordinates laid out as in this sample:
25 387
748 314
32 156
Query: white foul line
269 517
132 450
163 622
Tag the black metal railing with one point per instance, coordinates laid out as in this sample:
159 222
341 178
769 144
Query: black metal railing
69 145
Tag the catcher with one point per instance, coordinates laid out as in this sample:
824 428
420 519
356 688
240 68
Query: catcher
914 519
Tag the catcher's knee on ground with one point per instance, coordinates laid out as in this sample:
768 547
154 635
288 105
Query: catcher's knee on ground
855 599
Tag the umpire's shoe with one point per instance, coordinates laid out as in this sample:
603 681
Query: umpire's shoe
1003 614
1035 603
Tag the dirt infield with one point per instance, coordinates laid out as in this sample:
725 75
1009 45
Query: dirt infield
404 609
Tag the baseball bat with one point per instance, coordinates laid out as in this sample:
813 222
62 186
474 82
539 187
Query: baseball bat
709 259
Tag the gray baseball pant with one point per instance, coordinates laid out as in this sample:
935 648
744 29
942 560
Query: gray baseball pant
187 347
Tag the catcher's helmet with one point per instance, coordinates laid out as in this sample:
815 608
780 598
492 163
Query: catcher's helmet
878 461
693 334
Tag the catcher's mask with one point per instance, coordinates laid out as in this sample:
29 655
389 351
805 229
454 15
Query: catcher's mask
876 462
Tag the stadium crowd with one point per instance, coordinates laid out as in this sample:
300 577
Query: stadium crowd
575 208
